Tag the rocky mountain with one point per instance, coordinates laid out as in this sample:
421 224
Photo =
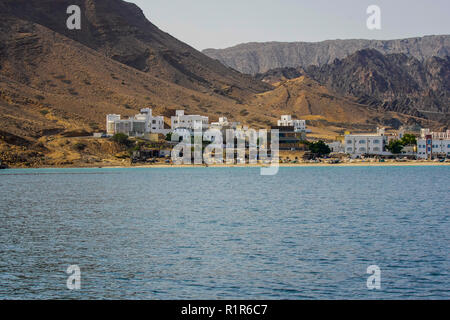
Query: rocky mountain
253 58
396 82
120 31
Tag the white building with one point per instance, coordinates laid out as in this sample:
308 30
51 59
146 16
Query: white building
180 120
336 147
433 144
360 144
153 124
299 125
131 127
110 123
137 126
223 122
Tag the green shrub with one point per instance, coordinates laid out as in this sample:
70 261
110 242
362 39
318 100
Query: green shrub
395 146
320 148
121 139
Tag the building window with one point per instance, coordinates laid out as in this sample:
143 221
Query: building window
376 149
362 141
349 141
362 149
376 141
349 149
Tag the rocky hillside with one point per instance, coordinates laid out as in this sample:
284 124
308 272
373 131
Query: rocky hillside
120 31
327 112
280 74
396 82
253 58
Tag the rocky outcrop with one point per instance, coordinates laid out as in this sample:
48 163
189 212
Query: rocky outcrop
280 74
253 58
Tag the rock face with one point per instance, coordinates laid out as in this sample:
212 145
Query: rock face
253 58
396 82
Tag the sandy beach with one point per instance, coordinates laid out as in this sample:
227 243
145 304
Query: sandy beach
281 165
293 165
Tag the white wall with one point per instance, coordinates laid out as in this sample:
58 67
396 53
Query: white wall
439 147
364 144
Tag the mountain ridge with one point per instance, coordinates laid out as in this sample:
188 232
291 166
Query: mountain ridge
260 57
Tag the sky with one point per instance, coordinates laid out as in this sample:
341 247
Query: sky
220 24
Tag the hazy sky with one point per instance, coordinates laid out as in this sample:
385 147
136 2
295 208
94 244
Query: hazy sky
219 24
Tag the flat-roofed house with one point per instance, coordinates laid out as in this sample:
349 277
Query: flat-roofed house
287 121
366 143
138 125
190 122
433 144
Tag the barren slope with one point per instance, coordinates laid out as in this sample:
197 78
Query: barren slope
304 98
120 31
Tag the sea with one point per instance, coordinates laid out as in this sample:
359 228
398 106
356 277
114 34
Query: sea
225 233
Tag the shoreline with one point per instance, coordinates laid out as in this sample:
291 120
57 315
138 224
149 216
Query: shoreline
281 165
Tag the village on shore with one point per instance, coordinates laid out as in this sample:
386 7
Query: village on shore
147 140
152 141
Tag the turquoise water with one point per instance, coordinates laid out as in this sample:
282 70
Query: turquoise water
225 233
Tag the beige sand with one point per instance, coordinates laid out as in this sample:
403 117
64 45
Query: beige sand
346 164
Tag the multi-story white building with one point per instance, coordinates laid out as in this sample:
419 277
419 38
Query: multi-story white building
153 124
110 123
138 125
360 144
433 144
191 122
131 127
286 121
